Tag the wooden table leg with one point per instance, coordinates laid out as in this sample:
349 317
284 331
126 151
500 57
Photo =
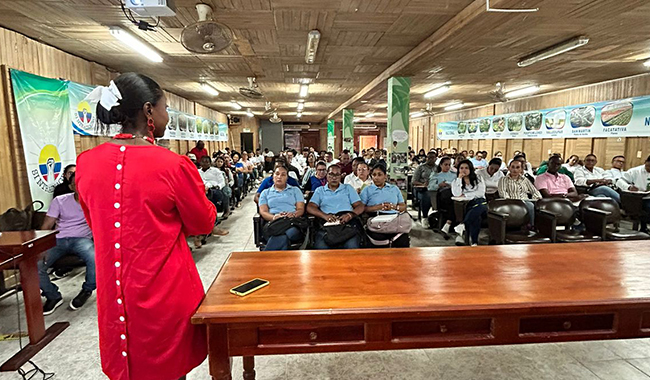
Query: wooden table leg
32 294
219 356
249 368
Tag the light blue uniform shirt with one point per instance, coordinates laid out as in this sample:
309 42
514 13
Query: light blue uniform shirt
479 163
332 202
437 178
281 201
372 196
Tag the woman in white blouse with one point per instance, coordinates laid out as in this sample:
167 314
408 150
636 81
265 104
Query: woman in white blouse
470 187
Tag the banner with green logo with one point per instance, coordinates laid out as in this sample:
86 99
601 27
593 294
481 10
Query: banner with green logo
348 130
330 135
399 89
43 109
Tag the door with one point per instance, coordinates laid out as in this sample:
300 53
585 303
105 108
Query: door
366 142
247 141
310 140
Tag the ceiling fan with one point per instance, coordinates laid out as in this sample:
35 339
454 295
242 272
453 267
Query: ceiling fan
206 36
251 91
499 94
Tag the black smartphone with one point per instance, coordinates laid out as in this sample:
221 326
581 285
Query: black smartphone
249 287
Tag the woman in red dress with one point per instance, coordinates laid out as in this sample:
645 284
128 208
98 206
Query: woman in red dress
141 201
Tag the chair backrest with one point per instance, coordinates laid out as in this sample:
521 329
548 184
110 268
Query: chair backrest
565 212
514 208
605 204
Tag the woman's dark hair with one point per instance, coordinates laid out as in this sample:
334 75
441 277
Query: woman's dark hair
495 161
571 156
421 152
65 171
72 177
473 178
136 90
380 167
442 161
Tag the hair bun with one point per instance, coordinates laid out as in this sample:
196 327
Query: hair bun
112 116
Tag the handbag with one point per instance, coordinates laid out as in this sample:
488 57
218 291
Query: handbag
19 220
390 223
281 225
339 234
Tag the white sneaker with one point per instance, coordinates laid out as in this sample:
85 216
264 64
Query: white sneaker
445 228
460 240
460 229
425 223
474 245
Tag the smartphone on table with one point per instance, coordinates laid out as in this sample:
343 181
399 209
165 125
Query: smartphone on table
249 287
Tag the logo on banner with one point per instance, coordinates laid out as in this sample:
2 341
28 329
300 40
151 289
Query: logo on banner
84 118
49 168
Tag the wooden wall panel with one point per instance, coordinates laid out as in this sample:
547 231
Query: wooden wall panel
636 151
500 146
533 149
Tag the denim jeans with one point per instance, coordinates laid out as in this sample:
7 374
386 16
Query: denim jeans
319 242
530 206
82 247
476 212
220 200
425 201
606 191
281 242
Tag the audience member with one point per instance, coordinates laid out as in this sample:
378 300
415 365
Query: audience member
345 163
503 167
294 171
377 159
572 163
361 176
515 186
594 178
421 181
214 181
319 178
199 151
64 186
491 176
336 203
618 166
470 187
268 181
440 182
637 179
310 169
553 184
282 201
75 238
479 161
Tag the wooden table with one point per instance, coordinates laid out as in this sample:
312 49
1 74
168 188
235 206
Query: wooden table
22 250
358 300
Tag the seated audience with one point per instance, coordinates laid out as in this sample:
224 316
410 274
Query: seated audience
491 176
377 158
440 182
336 202
553 184
75 238
199 151
515 186
268 181
268 160
528 170
618 166
572 163
469 186
361 178
228 179
384 198
310 169
282 201
64 186
319 179
214 181
563 169
420 184
294 171
330 160
503 167
594 178
638 180
345 163
479 161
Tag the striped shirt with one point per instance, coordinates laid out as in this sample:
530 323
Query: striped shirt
519 188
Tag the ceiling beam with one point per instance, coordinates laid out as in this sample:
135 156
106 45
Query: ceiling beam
456 23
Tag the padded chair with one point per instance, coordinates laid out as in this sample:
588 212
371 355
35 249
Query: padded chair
551 213
632 204
506 220
602 216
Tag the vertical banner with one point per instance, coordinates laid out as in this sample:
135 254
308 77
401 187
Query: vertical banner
399 89
348 130
330 135
223 131
84 120
43 109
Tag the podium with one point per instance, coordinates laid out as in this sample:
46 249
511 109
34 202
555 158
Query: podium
21 250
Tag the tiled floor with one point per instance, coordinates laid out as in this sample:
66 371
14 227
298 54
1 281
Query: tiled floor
75 356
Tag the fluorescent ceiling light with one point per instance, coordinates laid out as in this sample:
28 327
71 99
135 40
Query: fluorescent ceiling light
235 105
299 115
554 50
207 87
365 127
370 114
250 113
356 119
436 91
135 43
304 90
454 106
647 63
301 106
417 114
522 92
364 101
313 38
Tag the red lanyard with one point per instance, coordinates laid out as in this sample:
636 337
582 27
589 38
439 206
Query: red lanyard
128 136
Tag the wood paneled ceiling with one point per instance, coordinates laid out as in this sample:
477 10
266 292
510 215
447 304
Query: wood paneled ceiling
360 39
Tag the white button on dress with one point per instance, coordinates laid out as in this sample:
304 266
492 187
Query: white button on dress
117 205
122 148
124 353
123 337
117 282
117 224
121 319
117 186
119 166
117 264
117 245
119 301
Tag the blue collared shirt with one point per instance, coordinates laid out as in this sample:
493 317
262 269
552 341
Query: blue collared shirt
268 182
332 202
281 201
373 195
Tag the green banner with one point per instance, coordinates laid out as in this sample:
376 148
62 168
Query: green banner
43 109
330 135
348 130
398 128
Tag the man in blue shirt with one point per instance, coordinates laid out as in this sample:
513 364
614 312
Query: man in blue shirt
335 202
479 161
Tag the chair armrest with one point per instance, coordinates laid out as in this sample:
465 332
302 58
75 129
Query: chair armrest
497 226
582 189
595 221
546 224
632 204
459 210
258 223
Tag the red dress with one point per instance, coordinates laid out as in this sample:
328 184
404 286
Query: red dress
140 202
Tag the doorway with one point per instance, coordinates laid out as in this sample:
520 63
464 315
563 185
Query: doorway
368 141
247 141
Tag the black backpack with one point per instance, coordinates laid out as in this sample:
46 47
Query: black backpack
19 220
